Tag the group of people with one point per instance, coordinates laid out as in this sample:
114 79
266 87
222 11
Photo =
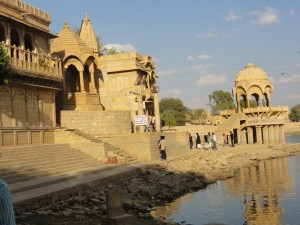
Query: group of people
210 141
225 139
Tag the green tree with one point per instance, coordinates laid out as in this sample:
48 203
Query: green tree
169 117
253 104
4 66
295 112
199 115
177 106
220 100
108 51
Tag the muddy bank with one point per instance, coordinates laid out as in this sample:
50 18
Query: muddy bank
156 185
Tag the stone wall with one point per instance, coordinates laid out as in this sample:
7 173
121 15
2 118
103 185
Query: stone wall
18 137
97 123
144 146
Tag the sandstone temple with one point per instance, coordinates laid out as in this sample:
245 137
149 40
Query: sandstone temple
63 91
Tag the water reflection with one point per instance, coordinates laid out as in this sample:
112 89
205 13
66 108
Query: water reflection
253 197
261 187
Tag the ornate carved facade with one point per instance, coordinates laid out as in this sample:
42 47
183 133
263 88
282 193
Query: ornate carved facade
121 82
27 103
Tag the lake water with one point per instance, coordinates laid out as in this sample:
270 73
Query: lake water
265 194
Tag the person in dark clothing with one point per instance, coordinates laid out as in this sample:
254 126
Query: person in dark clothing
198 141
232 139
206 145
191 141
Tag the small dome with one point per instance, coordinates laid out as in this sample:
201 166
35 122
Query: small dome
251 72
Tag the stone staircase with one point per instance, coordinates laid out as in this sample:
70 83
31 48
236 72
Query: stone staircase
110 150
23 163
87 145
93 146
231 123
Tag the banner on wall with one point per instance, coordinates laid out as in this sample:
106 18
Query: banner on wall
140 120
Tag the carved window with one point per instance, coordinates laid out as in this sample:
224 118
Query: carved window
19 106
6 108
28 46
33 108
15 40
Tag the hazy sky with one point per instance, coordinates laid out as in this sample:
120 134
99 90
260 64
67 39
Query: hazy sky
198 45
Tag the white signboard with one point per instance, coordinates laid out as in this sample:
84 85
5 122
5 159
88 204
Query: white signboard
140 120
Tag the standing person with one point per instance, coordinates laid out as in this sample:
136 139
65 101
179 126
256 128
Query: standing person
206 145
232 139
153 123
150 123
7 216
214 140
191 140
224 140
209 139
163 147
198 141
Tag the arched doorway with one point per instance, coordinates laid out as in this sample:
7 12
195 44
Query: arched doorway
254 100
72 80
28 47
15 41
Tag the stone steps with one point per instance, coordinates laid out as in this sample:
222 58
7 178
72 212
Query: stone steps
39 192
109 149
24 163
89 146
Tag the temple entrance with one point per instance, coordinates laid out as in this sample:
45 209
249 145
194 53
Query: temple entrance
72 81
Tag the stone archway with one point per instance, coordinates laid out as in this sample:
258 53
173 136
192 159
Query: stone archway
72 80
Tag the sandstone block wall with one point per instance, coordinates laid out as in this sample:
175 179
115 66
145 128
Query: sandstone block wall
144 146
25 137
97 123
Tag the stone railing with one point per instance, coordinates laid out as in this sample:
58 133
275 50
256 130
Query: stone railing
30 61
228 112
266 109
28 8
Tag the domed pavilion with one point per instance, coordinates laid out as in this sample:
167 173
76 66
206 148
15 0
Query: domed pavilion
254 121
252 81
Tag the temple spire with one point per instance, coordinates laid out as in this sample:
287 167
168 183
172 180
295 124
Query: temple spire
87 35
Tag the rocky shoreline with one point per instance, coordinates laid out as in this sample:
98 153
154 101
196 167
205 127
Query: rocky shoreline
156 185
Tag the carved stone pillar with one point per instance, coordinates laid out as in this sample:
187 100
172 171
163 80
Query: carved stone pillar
258 134
271 134
81 81
64 88
276 134
156 111
41 113
53 109
243 137
238 138
92 78
266 134
281 134
250 135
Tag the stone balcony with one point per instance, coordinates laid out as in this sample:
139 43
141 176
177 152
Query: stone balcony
33 64
265 110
